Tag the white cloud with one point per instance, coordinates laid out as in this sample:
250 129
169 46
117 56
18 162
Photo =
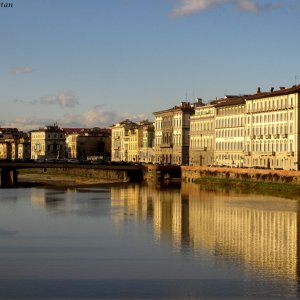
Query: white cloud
186 7
97 116
248 5
27 124
63 100
23 70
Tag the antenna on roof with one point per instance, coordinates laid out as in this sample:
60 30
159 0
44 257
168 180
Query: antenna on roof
186 95
296 77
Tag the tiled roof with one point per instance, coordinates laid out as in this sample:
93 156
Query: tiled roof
230 101
281 91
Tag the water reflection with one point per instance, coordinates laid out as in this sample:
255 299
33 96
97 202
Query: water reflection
71 201
259 232
256 236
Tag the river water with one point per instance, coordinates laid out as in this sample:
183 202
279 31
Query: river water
142 242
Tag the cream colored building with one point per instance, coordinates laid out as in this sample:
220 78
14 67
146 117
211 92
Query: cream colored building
229 131
132 142
135 142
272 129
140 140
202 133
120 140
172 127
48 143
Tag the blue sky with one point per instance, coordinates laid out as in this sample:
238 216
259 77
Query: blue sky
85 63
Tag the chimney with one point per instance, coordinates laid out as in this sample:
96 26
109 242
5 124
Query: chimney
272 90
199 101
258 90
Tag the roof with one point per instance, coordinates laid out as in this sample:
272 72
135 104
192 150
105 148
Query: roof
86 130
124 123
272 93
230 101
184 106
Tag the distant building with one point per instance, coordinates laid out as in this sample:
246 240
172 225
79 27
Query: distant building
146 151
140 141
88 143
14 144
132 142
172 128
48 143
120 140
202 135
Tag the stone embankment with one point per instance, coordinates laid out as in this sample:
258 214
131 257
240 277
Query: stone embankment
190 174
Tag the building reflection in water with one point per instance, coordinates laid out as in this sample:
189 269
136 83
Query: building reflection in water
258 231
50 199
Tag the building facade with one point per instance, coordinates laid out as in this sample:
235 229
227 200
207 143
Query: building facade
272 129
255 131
172 127
14 144
87 143
146 152
202 136
132 142
229 131
48 143
120 140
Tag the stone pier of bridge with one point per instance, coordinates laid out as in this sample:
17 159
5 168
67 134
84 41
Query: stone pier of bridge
9 178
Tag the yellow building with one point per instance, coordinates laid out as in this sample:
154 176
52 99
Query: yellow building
202 136
119 140
132 142
135 142
48 143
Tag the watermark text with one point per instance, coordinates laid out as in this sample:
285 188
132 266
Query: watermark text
6 5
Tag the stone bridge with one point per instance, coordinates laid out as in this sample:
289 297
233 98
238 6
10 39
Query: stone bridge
121 173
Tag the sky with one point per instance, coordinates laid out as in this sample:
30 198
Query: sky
92 63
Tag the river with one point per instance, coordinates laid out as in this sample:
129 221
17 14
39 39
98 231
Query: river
136 241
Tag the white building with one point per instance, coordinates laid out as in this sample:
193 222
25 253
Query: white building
229 131
272 129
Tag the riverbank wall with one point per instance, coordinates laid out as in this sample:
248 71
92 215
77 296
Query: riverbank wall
191 173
